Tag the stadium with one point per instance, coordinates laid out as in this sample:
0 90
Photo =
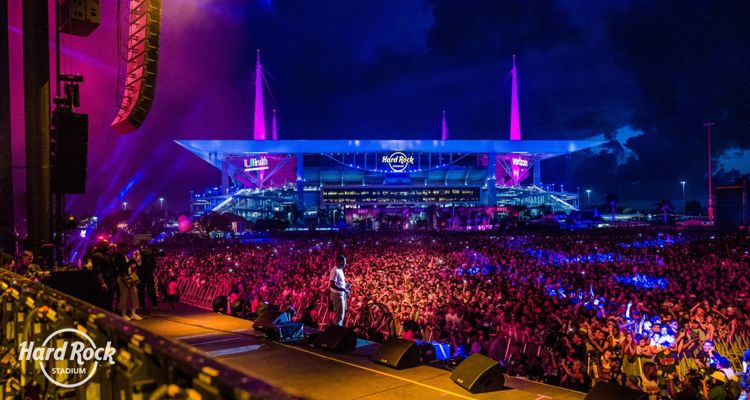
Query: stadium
358 178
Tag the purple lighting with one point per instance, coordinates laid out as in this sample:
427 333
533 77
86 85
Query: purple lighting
515 121
444 127
259 125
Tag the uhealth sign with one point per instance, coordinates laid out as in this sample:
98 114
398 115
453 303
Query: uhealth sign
255 164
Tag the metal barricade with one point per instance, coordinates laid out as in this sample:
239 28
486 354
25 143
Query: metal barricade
734 349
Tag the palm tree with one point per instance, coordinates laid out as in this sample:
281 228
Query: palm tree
664 206
693 208
611 199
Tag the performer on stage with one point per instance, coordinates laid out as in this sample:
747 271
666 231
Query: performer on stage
338 291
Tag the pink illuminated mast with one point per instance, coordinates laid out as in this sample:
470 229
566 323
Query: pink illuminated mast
444 126
515 121
259 124
708 126
274 131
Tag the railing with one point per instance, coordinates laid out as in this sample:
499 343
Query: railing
144 365
202 296
734 349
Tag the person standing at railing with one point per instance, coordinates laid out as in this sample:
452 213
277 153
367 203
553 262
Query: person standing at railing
173 293
146 284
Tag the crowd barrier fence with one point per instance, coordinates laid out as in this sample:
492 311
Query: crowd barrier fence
203 295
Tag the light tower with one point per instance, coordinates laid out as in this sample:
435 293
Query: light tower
515 120
444 129
708 126
683 196
259 123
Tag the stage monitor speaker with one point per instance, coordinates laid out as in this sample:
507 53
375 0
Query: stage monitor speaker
398 353
263 307
266 321
337 338
611 390
220 304
479 374
287 332
70 148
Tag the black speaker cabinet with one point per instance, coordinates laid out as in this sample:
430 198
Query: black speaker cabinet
479 374
263 307
398 353
336 338
268 319
70 148
220 304
426 352
611 390
287 332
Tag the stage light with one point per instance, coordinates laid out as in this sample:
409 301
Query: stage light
70 222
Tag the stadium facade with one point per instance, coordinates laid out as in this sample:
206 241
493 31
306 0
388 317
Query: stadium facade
359 177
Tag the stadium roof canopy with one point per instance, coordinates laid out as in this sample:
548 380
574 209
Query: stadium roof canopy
214 151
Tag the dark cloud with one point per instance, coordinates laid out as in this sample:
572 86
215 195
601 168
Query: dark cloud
689 60
387 69
487 31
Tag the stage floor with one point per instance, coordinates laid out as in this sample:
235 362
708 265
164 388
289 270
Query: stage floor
305 371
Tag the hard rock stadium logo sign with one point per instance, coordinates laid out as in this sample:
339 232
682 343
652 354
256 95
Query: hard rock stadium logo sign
398 161
68 357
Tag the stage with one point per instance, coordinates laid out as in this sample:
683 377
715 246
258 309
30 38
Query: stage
305 371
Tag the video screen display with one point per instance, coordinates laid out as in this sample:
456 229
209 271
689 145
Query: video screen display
399 195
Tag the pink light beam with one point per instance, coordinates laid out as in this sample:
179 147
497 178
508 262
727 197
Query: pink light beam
259 125
515 121
444 135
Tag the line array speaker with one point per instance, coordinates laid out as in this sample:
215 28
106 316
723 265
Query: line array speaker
143 54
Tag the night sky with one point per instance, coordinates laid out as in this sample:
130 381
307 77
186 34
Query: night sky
644 74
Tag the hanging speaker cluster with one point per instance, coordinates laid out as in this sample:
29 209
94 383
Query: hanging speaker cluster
79 17
142 56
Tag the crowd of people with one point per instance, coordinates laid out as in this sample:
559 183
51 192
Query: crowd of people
643 308
124 276
667 313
